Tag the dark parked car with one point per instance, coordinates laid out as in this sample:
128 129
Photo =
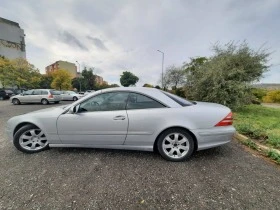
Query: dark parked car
6 94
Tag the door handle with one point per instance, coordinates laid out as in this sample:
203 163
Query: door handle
120 117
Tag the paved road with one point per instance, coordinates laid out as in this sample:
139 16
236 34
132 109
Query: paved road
225 177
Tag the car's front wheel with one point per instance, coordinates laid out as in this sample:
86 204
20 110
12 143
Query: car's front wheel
15 101
175 144
75 98
30 139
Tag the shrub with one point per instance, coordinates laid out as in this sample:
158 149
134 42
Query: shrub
259 93
272 96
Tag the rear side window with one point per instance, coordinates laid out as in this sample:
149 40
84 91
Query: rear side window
179 100
36 92
44 92
138 101
55 92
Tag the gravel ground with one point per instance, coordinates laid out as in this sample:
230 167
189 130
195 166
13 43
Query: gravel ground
227 177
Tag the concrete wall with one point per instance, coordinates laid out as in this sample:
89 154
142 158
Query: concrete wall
12 44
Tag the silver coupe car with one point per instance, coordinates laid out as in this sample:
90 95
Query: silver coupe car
126 118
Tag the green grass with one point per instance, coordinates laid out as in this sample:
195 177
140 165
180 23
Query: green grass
260 123
250 143
274 156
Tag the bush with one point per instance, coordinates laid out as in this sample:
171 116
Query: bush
272 96
259 93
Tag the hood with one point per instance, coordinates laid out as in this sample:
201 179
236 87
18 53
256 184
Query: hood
48 111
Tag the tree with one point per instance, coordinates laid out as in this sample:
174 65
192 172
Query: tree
127 79
46 81
88 79
174 76
24 74
148 85
6 69
225 77
61 80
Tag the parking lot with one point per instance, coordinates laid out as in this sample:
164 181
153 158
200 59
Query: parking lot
224 177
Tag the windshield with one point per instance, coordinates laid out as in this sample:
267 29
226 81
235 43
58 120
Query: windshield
178 99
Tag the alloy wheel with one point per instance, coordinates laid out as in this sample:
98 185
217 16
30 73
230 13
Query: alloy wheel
175 145
33 139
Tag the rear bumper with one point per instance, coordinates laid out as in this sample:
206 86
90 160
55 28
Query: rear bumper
208 138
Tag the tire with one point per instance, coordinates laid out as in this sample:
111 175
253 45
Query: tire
15 101
30 139
175 144
44 101
75 98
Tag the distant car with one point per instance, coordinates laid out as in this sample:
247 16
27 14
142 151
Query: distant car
6 94
81 93
70 96
88 92
126 118
44 96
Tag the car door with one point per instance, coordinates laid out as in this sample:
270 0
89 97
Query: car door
36 96
146 116
26 96
101 120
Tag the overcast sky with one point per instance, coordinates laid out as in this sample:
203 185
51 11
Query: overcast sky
118 35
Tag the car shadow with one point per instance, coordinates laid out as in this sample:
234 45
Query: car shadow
212 153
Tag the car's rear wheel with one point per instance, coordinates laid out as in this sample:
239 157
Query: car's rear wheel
75 98
15 101
175 145
44 101
30 139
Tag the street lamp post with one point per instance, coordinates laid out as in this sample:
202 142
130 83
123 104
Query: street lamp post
79 74
162 67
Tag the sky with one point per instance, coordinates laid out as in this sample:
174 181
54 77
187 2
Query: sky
124 35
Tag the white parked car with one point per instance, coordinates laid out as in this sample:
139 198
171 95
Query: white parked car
126 118
70 96
44 96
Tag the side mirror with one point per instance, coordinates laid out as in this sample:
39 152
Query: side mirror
74 109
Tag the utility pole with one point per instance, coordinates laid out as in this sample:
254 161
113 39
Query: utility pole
79 74
162 67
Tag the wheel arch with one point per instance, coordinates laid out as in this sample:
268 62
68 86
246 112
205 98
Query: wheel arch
180 127
20 125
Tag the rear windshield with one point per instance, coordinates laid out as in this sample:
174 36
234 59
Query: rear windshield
178 99
55 92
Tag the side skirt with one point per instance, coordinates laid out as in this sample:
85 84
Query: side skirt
125 147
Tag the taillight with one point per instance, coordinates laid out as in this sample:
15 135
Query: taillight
50 96
228 120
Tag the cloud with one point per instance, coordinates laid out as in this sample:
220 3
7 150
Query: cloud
69 39
114 36
98 43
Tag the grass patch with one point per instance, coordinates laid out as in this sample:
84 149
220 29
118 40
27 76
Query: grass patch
274 156
250 143
260 123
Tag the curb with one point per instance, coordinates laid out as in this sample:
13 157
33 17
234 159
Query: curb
241 137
